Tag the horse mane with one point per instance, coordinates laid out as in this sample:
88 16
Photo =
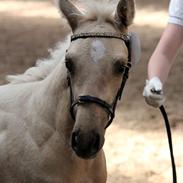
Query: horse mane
44 66
92 11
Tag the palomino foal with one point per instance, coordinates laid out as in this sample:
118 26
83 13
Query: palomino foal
39 140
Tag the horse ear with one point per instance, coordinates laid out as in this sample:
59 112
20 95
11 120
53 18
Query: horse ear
125 12
71 13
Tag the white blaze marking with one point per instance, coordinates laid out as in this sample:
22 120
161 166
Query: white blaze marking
97 50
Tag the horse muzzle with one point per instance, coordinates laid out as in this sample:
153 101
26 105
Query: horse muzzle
86 145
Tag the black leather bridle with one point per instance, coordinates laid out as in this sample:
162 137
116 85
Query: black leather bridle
109 108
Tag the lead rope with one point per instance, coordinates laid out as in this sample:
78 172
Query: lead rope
168 129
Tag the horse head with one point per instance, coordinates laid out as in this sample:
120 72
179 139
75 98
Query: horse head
96 61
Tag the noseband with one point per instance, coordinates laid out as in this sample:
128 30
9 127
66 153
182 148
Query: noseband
84 99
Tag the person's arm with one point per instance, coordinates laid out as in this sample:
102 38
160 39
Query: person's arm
163 57
165 52
160 64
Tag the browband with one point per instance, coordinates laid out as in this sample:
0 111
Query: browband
123 37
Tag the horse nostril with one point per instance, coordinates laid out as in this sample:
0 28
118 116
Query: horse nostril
75 140
96 142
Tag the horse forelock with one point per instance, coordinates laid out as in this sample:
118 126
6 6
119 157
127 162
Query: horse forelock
94 10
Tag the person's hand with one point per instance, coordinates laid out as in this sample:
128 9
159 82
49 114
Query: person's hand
153 92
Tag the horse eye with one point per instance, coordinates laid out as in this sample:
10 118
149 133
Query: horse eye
119 67
69 65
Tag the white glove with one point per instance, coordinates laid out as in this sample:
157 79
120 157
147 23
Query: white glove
153 92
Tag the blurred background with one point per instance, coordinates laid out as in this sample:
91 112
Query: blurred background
136 145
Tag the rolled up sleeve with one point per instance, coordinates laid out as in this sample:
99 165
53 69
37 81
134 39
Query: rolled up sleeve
176 12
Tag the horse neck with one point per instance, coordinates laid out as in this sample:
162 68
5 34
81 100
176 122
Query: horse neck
56 100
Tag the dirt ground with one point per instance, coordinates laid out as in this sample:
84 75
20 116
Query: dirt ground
136 144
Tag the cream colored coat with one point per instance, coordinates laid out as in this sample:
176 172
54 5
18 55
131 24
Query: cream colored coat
35 122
